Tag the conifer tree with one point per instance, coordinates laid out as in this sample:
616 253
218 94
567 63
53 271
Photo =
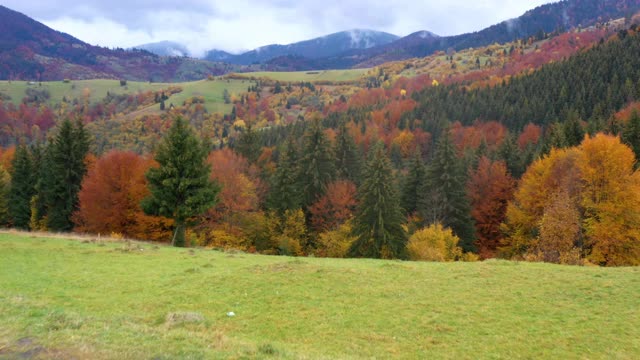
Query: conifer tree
64 173
249 145
181 187
317 168
448 203
21 189
348 166
5 186
510 153
414 186
284 194
631 133
377 224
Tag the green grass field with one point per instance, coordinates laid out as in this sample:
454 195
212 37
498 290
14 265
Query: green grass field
310 76
211 90
90 299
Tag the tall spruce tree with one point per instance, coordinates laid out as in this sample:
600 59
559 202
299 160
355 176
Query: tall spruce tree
181 187
65 170
285 194
448 203
5 186
348 165
249 144
414 186
631 133
22 188
377 224
317 167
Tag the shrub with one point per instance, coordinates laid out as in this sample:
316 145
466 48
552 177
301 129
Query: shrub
336 243
434 243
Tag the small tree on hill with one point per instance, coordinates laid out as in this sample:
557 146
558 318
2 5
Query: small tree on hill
21 189
180 188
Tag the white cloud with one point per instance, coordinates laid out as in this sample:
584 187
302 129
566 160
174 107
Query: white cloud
246 24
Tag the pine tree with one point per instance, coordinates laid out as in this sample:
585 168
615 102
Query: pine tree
510 153
21 189
181 187
285 194
348 166
414 186
249 145
64 174
573 130
448 203
316 166
377 224
631 133
5 186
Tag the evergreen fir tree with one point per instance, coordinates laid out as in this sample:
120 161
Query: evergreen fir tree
249 145
414 186
573 131
181 187
348 163
631 133
5 186
377 224
21 189
316 166
64 174
510 153
448 203
285 194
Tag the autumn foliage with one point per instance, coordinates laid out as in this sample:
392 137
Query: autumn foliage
584 199
110 199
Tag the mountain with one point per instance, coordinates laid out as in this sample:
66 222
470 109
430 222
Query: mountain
218 55
543 19
29 50
165 48
317 48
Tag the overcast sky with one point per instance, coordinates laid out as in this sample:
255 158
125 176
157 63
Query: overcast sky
236 25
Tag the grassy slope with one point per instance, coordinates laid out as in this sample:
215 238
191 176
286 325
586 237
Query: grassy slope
61 298
211 90
309 76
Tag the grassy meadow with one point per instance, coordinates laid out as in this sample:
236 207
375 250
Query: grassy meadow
309 76
62 298
211 90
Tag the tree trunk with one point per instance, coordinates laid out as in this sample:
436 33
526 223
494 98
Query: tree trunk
179 234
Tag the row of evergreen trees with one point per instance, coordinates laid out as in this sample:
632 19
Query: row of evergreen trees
46 179
591 85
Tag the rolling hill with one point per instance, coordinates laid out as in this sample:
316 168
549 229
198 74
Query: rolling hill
165 48
30 50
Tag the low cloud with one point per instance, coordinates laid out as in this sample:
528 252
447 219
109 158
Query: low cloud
246 24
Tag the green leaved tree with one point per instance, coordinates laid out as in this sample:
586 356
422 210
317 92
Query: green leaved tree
377 224
180 187
414 186
285 194
347 156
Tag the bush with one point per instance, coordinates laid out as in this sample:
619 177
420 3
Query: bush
434 243
336 243
220 239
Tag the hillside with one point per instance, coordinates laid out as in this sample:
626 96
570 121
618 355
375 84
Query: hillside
165 48
321 47
101 299
548 18
30 50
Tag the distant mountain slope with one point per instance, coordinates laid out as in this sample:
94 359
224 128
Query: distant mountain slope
321 47
546 18
164 48
33 51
